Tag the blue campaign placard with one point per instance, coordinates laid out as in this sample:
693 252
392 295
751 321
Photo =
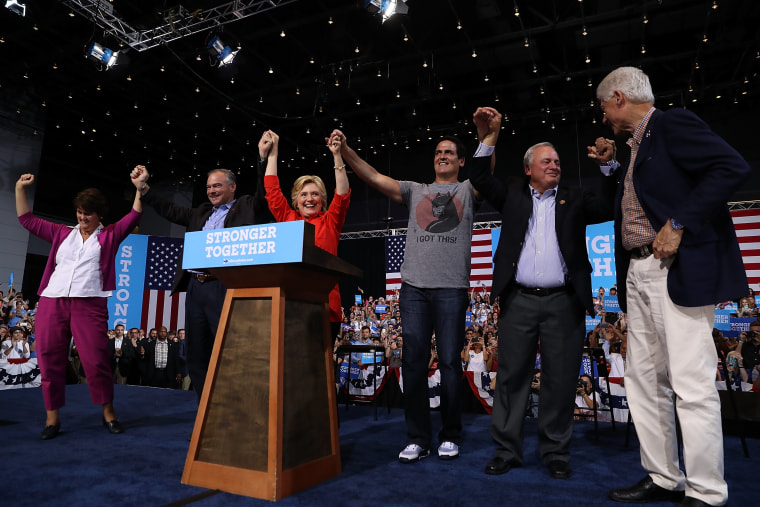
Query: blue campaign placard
591 323
358 299
277 243
468 319
741 323
611 304
380 309
723 320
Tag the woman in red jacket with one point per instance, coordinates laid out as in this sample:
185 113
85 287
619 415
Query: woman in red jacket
309 202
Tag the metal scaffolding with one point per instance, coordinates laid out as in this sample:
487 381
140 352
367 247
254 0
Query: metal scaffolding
381 233
179 22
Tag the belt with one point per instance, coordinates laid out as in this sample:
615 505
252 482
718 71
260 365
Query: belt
641 252
203 277
542 291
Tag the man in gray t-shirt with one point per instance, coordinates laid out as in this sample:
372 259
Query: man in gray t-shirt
435 279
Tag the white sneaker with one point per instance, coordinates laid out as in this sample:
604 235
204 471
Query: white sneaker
412 453
448 450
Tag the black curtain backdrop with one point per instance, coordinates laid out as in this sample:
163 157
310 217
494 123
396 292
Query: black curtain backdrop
369 255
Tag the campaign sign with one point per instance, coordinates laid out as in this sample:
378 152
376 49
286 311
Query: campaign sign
277 243
741 323
611 304
380 309
126 302
723 320
468 319
591 323
358 299
600 243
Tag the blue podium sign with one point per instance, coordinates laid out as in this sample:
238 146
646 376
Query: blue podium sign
249 245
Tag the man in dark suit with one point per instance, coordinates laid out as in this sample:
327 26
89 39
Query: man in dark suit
676 255
123 356
205 294
161 362
542 276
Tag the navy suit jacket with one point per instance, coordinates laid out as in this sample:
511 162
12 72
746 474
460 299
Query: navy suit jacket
685 171
575 208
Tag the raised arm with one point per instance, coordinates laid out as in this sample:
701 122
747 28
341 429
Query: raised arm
22 205
384 184
341 178
173 213
269 148
137 204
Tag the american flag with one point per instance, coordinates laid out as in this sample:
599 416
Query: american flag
481 271
159 307
747 225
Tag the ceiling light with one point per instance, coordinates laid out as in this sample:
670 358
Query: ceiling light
459 25
282 34
386 8
99 54
15 7
330 21
526 42
311 60
517 12
223 53
474 54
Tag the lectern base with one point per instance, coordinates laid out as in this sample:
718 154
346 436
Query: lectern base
267 422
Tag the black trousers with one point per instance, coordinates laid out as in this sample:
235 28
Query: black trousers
203 307
559 321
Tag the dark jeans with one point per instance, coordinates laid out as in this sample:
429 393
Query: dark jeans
422 312
203 308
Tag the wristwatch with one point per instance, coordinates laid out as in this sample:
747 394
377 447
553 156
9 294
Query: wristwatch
675 225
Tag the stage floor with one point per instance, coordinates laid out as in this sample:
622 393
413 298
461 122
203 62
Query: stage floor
85 465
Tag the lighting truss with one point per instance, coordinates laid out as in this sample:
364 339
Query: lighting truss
182 25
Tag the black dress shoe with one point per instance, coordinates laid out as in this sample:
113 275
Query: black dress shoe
498 466
690 501
645 491
51 431
559 469
113 426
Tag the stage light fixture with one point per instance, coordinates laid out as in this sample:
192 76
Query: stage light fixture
101 54
386 8
217 48
15 7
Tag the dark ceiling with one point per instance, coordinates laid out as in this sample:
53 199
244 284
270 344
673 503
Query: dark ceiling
308 66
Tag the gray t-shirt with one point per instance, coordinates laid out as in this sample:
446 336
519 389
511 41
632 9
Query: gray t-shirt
437 253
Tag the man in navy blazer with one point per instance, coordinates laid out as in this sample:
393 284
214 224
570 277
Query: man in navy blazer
542 276
205 294
677 255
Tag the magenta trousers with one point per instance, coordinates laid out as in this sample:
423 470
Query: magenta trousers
86 319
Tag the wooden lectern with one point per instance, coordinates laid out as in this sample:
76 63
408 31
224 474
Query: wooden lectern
267 421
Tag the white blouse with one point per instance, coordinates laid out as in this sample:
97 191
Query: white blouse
77 268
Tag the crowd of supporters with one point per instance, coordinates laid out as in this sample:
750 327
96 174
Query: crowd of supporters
156 358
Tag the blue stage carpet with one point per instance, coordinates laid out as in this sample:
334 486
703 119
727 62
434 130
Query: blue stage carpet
87 466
